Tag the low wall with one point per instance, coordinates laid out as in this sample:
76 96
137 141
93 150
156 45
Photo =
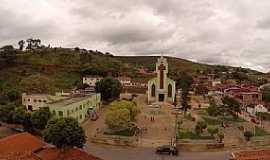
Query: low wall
115 140
199 146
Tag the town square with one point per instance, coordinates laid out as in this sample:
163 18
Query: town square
134 80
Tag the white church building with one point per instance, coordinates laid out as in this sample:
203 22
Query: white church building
161 88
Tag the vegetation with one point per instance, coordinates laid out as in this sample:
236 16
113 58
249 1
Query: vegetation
64 132
231 106
121 114
263 115
109 88
185 82
40 118
266 94
248 135
200 126
212 130
220 136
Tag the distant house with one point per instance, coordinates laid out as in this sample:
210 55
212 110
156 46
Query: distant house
24 146
91 80
125 81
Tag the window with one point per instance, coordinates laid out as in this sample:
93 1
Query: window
80 116
169 90
44 101
153 90
39 100
68 112
80 107
76 108
35 100
28 100
54 113
60 113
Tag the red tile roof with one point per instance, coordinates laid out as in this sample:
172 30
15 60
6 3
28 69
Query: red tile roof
24 146
252 155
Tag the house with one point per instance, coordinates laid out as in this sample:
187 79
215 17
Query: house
24 146
91 80
33 102
79 107
125 81
251 155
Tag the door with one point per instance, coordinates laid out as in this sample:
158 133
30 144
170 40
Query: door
161 97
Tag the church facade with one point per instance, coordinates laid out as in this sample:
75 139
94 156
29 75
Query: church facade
161 88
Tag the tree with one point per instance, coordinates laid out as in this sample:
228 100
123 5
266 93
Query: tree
6 113
220 136
266 94
212 130
64 132
21 44
8 53
124 104
40 118
231 105
109 88
200 126
201 89
213 109
118 118
37 84
248 135
19 115
185 82
13 95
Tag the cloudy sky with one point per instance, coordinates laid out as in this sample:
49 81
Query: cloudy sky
210 31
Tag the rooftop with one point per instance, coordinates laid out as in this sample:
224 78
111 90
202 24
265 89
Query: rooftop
70 100
252 155
24 146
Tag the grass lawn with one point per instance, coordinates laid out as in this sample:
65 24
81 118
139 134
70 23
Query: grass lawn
187 134
260 132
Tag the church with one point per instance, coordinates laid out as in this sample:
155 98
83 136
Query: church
161 88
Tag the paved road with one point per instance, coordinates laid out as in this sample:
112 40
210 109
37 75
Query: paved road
126 153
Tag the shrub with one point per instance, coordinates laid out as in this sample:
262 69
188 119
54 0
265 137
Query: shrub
248 135
212 130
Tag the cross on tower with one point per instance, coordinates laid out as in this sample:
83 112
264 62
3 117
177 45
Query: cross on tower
161 69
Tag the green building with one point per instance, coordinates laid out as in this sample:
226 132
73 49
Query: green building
78 107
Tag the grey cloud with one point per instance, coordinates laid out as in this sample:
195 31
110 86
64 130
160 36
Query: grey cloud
217 32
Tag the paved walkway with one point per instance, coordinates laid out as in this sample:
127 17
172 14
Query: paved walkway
158 131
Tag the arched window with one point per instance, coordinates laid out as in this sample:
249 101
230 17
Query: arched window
153 90
169 90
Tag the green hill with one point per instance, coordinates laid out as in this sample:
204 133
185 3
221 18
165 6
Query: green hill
62 68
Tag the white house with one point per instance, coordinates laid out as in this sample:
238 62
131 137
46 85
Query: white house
260 108
91 80
35 101
125 81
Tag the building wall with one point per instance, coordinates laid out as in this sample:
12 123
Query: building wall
78 110
91 81
34 101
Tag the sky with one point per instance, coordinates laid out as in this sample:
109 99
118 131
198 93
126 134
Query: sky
227 32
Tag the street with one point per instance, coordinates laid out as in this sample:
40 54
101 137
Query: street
127 153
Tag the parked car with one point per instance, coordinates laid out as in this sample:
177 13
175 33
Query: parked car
167 149
255 121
